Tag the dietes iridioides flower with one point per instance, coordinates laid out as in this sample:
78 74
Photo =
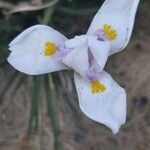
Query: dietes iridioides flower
41 49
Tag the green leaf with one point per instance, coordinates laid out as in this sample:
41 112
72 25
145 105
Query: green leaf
33 120
51 113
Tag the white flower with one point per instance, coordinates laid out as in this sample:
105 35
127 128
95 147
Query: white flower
40 49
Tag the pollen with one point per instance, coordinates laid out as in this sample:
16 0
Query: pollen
110 32
49 48
97 87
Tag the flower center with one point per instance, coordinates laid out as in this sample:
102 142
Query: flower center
110 32
49 48
97 87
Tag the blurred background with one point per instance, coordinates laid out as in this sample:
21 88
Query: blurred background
42 112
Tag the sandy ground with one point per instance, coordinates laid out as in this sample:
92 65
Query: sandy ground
131 69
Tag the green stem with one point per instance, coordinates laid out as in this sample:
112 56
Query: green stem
33 121
51 112
47 15
50 107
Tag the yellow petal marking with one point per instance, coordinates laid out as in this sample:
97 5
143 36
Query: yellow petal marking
110 32
49 48
97 87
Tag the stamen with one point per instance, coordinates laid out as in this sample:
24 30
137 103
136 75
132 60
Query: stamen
97 87
110 32
49 48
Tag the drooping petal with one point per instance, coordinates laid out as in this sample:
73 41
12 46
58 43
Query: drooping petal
28 55
100 51
108 106
116 18
77 41
77 58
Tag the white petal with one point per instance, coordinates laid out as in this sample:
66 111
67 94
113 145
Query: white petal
108 107
77 59
100 51
27 50
76 41
120 14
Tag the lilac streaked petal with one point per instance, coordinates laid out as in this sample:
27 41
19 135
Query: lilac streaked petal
60 45
100 51
93 73
99 32
62 51
61 54
100 35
